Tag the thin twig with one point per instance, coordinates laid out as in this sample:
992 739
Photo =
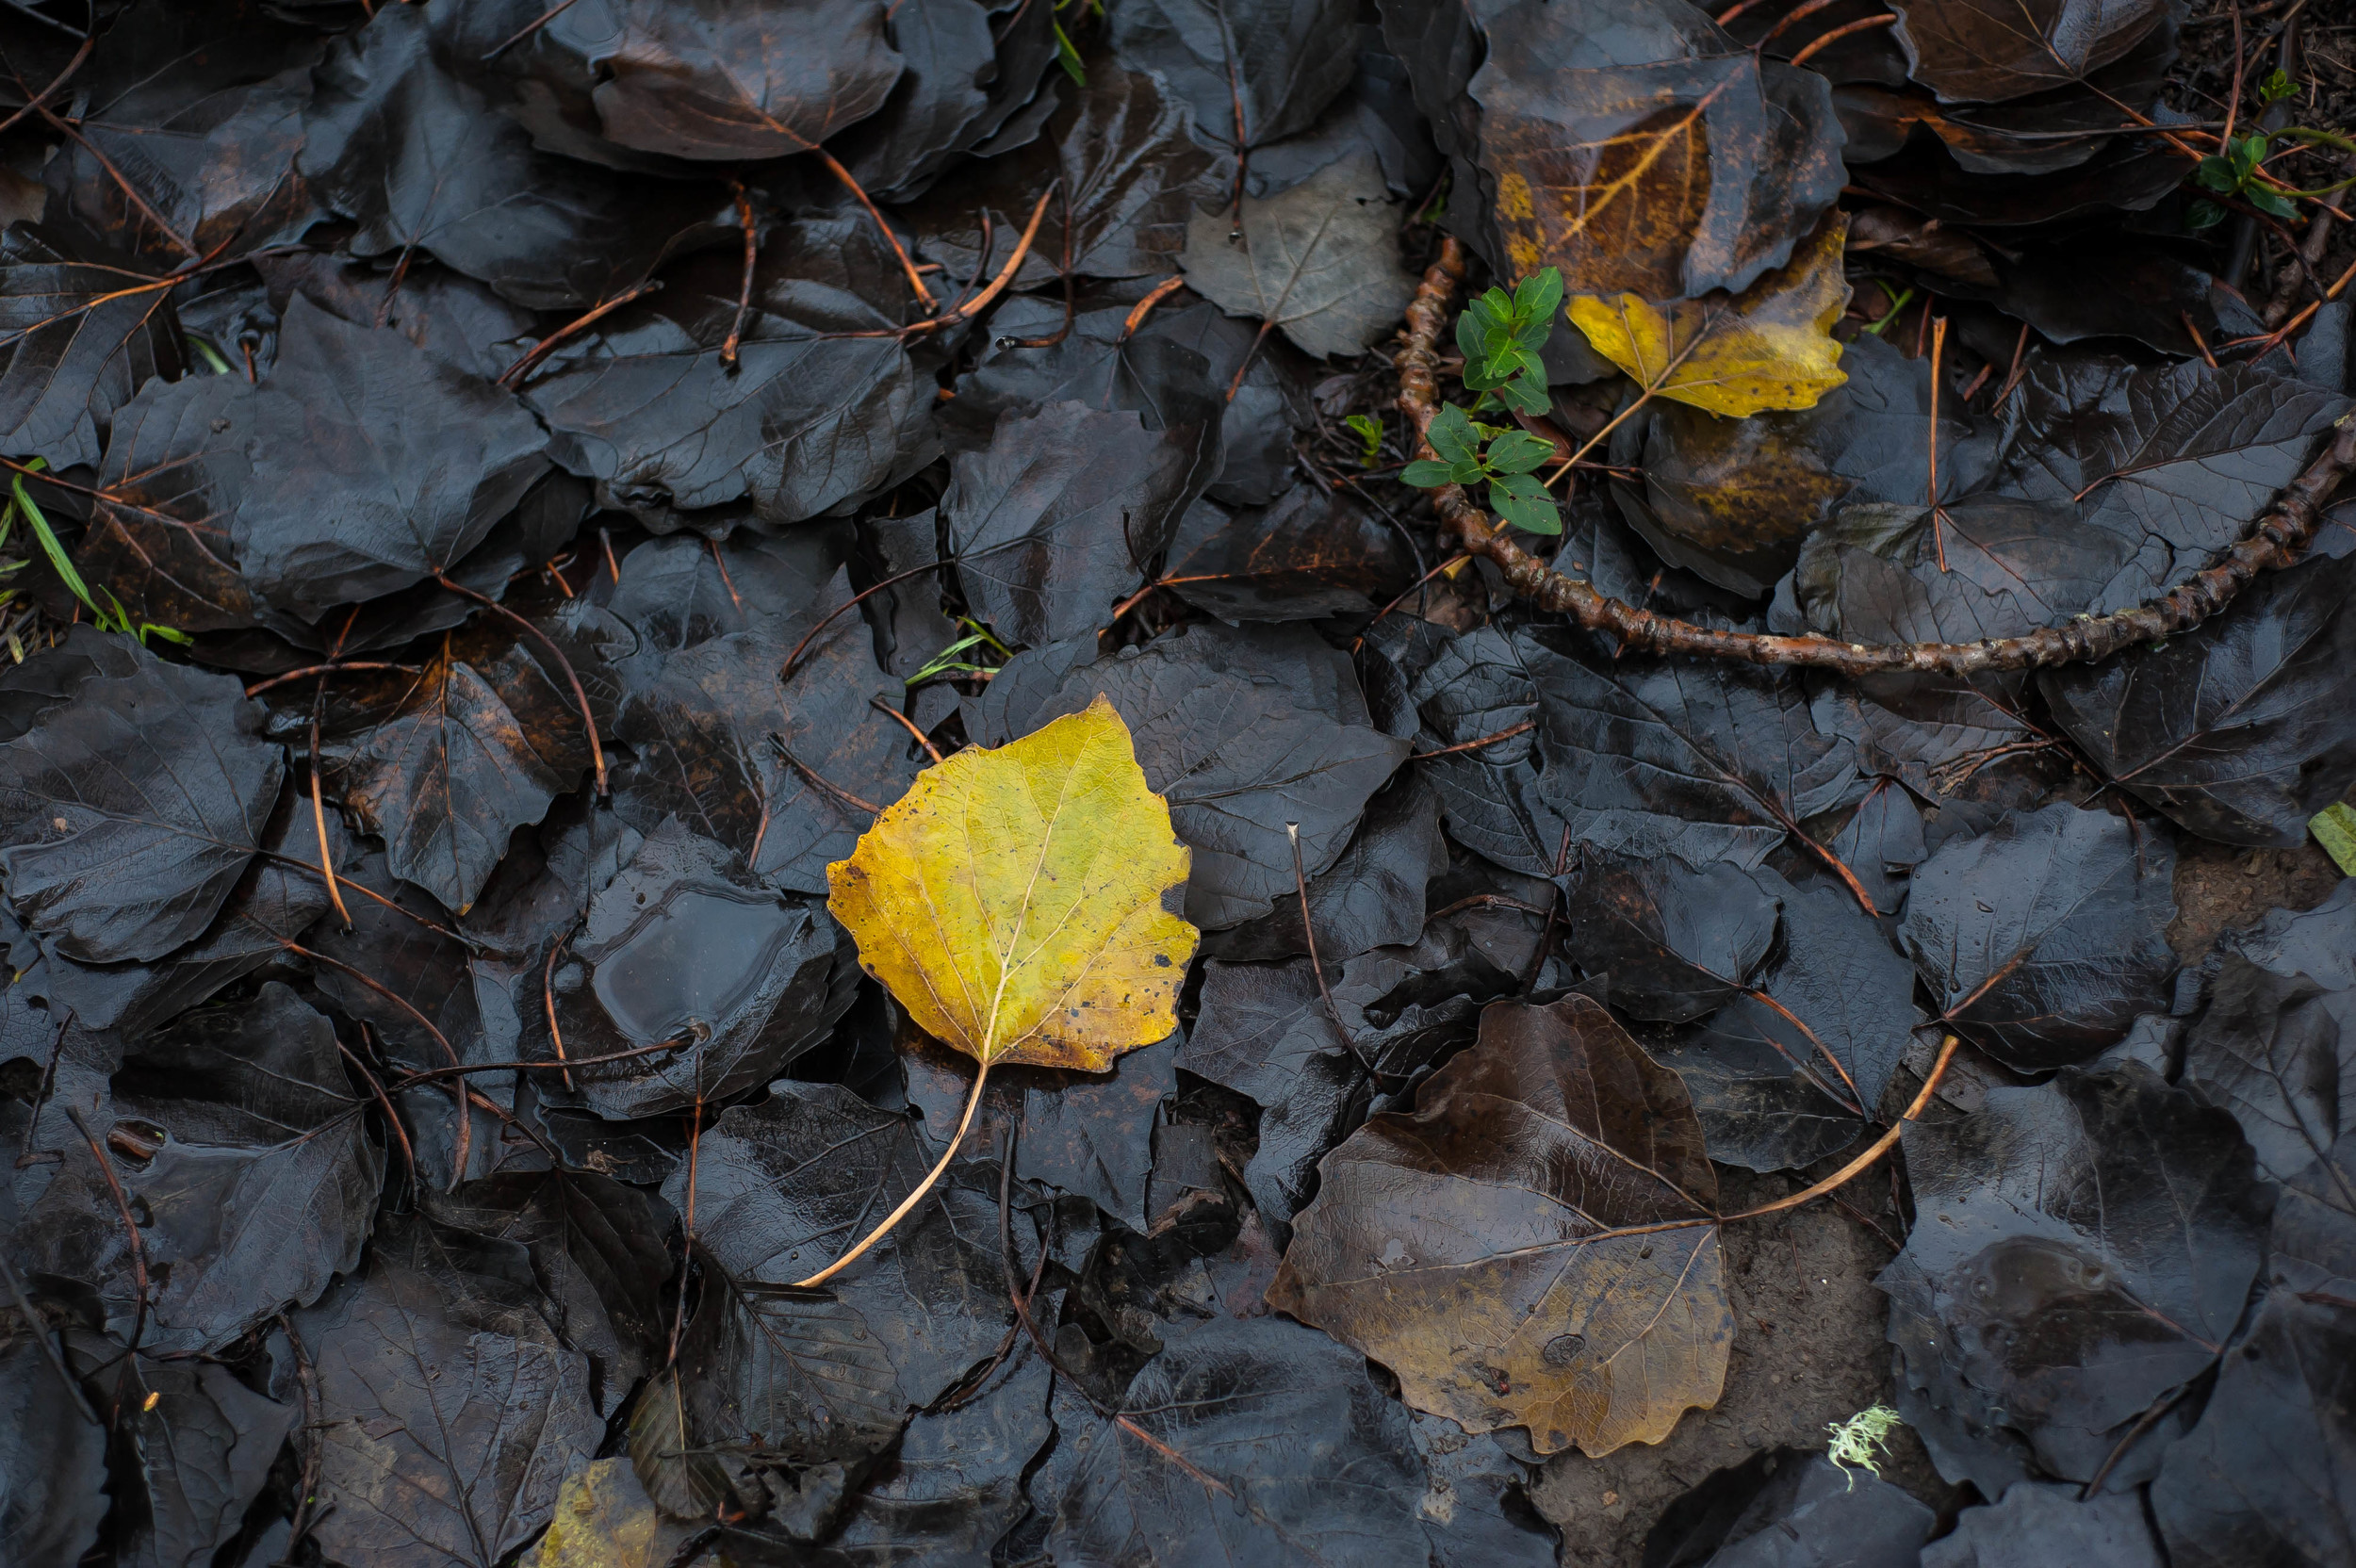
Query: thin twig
130 1226
515 373
907 723
745 289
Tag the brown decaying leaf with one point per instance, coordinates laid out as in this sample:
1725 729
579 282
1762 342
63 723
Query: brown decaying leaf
1459 1245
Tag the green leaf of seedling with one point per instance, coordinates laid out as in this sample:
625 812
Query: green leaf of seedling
1453 436
1370 430
2277 87
2273 203
2201 215
2215 173
1526 393
1488 432
51 548
1536 301
1518 453
1427 475
1472 341
2334 828
1524 502
1470 471
1068 56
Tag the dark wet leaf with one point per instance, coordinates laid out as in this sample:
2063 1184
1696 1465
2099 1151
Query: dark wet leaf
956 1484
679 592
1459 1245
782 1187
1372 896
2275 1039
1264 1033
260 1190
476 746
2043 940
81 335
419 158
733 83
2264 1478
56 1460
822 405
1986 566
600 1253
188 1467
177 467
970 71
445 311
131 808
1061 514
194 118
1656 156
1883 843
1304 1459
786 773
1677 942
1839 989
450 1416
2242 729
1307 555
1129 171
683 946
1731 499
1321 260
2081 1250
1252 72
1986 50
1243 730
2175 461
374 466
1706 760
2037 1524
277 901
1787 1509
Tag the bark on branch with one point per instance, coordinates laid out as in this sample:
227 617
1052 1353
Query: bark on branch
2278 538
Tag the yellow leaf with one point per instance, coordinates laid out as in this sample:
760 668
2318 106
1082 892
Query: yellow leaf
1769 347
1021 903
603 1519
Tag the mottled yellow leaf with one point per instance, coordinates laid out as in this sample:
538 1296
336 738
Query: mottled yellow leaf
604 1519
1769 347
1021 903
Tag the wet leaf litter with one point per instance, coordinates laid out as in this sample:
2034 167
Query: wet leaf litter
1177 780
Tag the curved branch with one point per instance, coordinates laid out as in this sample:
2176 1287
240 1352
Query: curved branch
2278 538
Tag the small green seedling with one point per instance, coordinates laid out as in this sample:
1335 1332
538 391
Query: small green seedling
1861 1441
1368 430
2277 87
947 663
1505 464
105 619
1500 334
2235 174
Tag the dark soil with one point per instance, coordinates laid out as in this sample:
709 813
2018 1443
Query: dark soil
1808 1350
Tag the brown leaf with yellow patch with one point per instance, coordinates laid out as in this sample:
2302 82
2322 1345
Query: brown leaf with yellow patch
1534 1245
1654 154
1769 347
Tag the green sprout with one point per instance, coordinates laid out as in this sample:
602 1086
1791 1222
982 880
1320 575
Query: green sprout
1856 1441
1370 430
1500 334
2277 87
2236 174
1505 465
947 663
106 618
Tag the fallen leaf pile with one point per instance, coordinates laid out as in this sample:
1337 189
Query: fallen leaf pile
749 814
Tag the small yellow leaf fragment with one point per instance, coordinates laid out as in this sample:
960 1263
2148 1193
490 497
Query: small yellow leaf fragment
1019 903
2334 828
1769 347
603 1519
